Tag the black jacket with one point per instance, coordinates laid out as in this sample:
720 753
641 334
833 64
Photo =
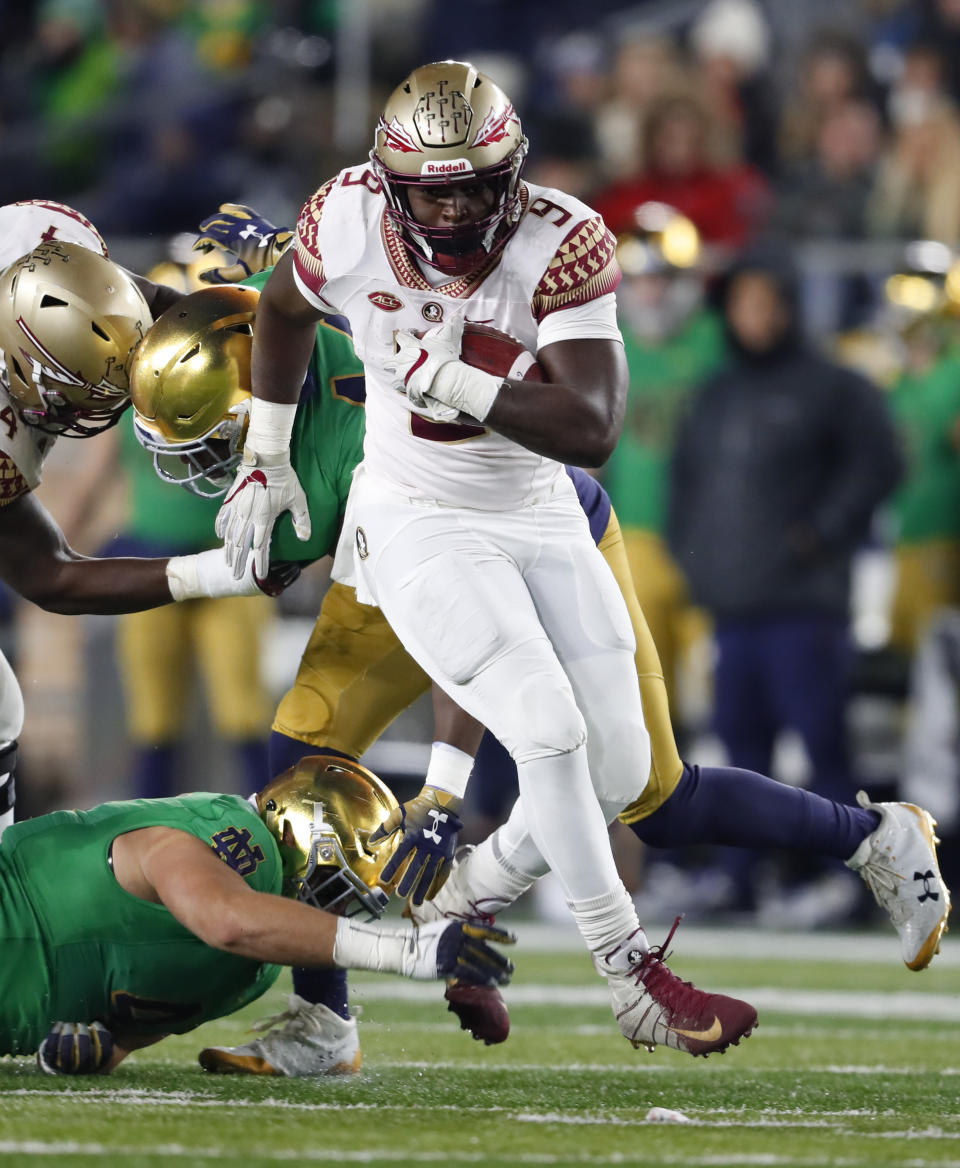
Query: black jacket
778 468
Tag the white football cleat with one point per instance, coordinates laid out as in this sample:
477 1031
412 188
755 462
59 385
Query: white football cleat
304 1041
654 1007
898 862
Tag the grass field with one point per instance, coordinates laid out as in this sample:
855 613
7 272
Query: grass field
856 1062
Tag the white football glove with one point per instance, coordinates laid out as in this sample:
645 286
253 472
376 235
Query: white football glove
436 382
265 487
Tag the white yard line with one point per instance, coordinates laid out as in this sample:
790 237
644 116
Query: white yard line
26 1148
695 940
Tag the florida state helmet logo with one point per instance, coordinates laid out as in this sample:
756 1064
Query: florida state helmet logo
442 116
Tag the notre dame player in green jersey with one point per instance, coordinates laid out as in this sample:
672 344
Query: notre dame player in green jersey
170 912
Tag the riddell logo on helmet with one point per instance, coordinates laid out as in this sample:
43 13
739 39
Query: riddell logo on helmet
455 166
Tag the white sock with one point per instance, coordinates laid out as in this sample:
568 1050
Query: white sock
605 921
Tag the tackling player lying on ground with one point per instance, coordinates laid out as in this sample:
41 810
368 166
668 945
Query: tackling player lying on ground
355 678
69 318
140 919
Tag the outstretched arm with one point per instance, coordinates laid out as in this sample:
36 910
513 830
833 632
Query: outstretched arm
37 562
216 904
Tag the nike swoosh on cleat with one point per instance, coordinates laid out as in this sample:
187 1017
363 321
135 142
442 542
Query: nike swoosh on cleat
710 1035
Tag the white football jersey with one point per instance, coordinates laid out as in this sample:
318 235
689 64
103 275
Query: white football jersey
350 260
24 226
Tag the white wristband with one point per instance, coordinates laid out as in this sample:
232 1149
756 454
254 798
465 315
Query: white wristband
470 390
371 946
449 769
206 575
271 425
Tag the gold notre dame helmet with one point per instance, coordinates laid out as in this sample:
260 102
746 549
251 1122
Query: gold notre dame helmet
69 319
190 385
448 124
321 812
660 239
923 295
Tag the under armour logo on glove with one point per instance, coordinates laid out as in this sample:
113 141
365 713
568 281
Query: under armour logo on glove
428 827
928 893
438 817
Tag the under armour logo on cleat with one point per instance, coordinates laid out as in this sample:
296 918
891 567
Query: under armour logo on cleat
928 893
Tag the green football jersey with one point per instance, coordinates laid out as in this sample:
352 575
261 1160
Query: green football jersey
662 377
927 407
77 947
327 441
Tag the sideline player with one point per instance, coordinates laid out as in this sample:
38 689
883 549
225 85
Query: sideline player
68 320
169 912
355 678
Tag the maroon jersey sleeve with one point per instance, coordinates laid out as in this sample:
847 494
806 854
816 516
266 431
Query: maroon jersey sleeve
307 258
583 269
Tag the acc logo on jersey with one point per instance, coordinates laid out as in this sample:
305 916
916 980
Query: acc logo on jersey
432 312
386 300
363 548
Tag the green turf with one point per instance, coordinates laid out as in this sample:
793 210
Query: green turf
853 1083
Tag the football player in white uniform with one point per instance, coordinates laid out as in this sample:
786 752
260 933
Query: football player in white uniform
69 318
462 524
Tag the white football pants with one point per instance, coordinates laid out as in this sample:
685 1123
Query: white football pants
517 616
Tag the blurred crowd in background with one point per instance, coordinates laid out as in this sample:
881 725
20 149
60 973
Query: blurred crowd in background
773 169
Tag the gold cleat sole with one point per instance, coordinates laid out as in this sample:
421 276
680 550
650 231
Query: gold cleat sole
224 1062
930 947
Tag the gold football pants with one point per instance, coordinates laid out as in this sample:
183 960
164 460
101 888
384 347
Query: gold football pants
157 650
355 678
928 579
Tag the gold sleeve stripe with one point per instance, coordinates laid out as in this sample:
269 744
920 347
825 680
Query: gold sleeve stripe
309 261
584 268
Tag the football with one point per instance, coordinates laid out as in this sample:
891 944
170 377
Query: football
498 353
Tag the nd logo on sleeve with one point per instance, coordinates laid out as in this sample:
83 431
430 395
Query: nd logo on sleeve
233 845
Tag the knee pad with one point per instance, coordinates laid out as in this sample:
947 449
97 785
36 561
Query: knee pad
544 718
619 764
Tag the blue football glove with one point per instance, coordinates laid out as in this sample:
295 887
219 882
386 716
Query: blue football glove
75 1048
237 229
429 826
464 953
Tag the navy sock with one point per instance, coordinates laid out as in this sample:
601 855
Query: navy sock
324 987
253 763
153 772
739 808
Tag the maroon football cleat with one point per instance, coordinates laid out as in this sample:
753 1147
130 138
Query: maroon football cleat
654 1007
481 1010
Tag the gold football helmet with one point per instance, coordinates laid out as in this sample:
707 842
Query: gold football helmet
922 298
321 812
69 319
661 260
449 124
190 385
